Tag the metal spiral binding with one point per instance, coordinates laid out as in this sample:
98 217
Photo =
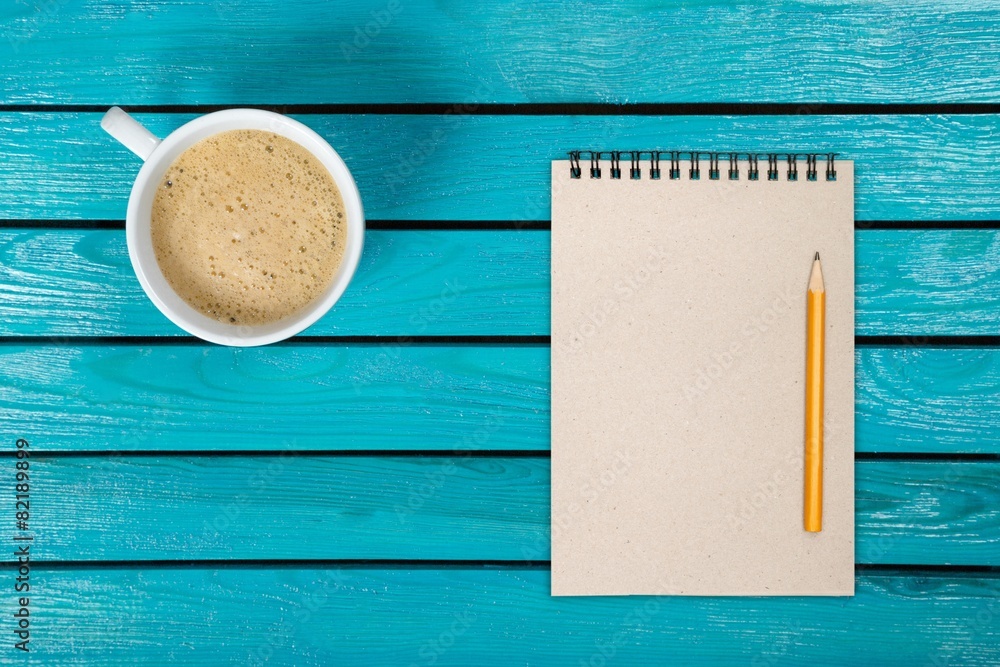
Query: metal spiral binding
636 159
635 172
654 165
772 167
831 173
616 164
574 164
595 165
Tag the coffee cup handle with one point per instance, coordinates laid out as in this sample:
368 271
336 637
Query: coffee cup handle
129 132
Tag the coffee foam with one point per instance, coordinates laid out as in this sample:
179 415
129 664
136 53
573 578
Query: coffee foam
248 227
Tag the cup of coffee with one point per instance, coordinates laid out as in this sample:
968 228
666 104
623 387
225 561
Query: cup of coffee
243 226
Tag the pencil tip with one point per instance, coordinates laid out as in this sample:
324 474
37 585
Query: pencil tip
816 259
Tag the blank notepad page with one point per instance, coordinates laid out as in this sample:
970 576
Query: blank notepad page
678 368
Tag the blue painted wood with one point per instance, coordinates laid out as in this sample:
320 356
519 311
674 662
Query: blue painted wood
80 282
392 397
68 283
276 398
962 265
307 616
59 165
910 399
454 166
455 507
240 51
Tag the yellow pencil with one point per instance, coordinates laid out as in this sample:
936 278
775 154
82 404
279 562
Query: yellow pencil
815 328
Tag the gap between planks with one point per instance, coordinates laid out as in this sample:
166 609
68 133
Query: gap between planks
497 225
551 108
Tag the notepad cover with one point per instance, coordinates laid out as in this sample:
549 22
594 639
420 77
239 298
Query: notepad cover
678 363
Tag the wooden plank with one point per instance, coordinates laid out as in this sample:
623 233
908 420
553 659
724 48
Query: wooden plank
963 265
420 616
98 508
461 167
393 397
79 282
300 397
927 400
935 513
239 51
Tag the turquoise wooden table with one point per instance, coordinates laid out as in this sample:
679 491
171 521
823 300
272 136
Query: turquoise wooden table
375 491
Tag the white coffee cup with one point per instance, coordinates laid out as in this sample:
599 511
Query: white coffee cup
159 155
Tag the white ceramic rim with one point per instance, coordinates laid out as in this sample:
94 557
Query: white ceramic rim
140 246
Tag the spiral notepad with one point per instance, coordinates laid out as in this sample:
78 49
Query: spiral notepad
678 360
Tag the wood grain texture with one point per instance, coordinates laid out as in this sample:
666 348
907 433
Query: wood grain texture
277 398
910 399
461 167
417 508
963 266
79 282
393 397
418 616
240 51
939 513
67 283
